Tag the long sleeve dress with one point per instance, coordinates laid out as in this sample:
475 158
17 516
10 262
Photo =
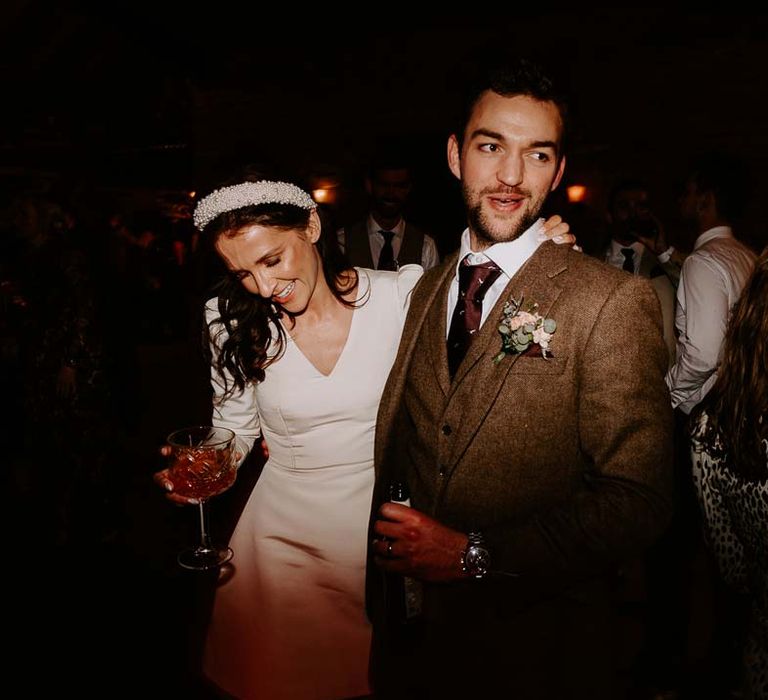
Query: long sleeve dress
290 621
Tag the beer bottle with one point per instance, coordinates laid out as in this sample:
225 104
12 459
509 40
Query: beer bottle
411 588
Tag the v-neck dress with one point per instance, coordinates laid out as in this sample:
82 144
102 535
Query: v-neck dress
290 622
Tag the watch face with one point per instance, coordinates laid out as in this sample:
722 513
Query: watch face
477 559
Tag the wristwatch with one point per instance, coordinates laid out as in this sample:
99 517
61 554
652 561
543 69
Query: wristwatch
476 559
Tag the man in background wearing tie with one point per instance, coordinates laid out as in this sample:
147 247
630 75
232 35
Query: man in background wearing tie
384 240
536 447
630 217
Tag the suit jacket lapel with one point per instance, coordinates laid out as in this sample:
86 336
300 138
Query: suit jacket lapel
425 299
435 334
534 282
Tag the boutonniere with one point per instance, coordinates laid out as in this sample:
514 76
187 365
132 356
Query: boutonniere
523 330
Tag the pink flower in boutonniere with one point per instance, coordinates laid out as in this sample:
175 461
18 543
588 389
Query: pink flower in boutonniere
524 330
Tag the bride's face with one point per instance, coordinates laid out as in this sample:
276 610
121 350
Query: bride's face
283 266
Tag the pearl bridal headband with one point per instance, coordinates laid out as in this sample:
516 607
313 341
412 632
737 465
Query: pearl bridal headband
248 194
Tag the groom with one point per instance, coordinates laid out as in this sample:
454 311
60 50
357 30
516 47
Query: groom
535 461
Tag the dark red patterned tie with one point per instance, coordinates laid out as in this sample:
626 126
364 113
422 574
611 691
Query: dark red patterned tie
474 282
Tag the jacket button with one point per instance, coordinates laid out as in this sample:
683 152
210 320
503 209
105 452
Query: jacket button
447 429
441 471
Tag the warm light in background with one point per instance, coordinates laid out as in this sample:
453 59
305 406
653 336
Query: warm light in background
192 194
326 186
577 193
324 195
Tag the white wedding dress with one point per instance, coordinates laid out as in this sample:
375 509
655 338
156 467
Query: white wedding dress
290 622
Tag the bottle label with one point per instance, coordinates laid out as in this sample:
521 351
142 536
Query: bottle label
398 493
412 588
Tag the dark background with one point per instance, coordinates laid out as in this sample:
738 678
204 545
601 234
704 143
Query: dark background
140 98
120 106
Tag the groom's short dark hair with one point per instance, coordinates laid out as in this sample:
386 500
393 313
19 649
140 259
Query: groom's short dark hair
509 78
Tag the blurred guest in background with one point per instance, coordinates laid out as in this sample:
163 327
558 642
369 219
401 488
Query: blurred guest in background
711 281
384 240
630 219
730 468
712 276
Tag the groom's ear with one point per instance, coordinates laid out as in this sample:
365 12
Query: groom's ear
454 156
559 175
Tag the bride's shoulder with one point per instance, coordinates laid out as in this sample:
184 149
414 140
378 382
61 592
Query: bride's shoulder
401 282
389 290
409 275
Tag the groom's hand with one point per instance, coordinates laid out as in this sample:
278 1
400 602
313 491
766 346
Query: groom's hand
411 543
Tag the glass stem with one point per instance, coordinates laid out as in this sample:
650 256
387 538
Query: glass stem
205 539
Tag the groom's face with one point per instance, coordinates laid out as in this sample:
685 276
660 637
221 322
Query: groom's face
508 163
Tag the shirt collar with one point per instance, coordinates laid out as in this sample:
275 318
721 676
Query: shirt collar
509 255
711 234
617 247
374 227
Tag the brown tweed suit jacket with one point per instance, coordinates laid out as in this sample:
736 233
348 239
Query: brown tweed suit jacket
564 464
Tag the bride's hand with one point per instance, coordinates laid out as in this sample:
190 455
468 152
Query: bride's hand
558 231
163 479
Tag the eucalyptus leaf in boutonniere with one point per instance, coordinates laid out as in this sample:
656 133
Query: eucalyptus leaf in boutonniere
524 329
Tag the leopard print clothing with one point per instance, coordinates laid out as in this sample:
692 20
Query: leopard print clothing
735 515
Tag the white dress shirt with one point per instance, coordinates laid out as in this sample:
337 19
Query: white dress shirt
710 284
429 256
615 258
510 256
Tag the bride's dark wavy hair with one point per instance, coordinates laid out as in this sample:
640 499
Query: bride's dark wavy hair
738 402
247 332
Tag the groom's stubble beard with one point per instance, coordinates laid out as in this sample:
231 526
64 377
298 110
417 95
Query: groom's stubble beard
482 227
